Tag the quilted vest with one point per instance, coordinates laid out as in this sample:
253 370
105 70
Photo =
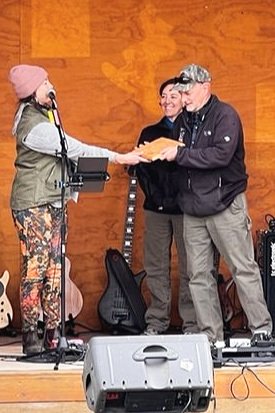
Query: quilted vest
37 179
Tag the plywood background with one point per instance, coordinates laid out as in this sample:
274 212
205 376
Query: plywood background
106 60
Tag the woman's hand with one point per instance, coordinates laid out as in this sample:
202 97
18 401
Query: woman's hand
130 158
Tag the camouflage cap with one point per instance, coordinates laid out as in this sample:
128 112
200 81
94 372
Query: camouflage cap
190 75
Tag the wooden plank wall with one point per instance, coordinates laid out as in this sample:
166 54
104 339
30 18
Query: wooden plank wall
106 60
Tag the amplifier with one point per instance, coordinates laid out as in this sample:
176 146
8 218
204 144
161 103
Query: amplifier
246 354
265 256
171 373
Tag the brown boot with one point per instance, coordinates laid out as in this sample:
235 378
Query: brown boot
31 343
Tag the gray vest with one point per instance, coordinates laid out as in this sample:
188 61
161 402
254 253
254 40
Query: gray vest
37 174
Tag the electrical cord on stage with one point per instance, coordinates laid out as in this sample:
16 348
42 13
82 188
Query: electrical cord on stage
242 375
261 381
188 402
214 399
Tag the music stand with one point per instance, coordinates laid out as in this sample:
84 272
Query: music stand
91 175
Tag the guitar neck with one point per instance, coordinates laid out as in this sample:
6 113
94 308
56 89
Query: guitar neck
130 221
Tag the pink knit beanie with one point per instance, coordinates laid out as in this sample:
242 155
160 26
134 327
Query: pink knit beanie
26 79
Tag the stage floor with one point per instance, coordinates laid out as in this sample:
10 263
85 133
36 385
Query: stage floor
27 386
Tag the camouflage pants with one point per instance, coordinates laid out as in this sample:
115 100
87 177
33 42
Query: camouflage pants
39 231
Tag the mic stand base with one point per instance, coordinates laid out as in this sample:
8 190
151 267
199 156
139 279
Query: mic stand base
65 351
62 349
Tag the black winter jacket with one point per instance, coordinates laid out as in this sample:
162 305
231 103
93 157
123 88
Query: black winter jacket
159 180
213 170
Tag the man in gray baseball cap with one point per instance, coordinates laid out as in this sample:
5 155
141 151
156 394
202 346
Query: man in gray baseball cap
212 197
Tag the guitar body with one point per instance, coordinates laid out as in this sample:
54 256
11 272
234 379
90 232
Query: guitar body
234 317
121 307
6 312
225 302
73 296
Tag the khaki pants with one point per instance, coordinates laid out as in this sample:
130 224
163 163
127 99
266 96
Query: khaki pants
230 231
160 231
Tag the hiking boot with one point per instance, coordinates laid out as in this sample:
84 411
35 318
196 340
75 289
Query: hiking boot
51 339
31 343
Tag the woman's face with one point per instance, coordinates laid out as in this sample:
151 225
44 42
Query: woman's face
170 101
41 94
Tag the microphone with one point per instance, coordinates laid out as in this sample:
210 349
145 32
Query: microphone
51 94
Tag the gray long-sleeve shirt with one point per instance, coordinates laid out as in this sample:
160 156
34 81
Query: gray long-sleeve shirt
45 138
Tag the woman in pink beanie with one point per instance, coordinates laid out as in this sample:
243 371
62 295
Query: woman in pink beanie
36 203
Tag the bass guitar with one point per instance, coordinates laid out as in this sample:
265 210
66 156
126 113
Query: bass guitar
122 307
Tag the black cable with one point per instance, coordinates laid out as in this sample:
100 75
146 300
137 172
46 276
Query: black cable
188 402
260 381
241 375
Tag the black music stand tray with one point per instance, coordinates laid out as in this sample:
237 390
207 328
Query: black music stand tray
91 175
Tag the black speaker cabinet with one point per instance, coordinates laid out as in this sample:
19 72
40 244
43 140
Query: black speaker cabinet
265 255
170 373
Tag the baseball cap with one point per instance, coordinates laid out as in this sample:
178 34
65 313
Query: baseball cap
190 75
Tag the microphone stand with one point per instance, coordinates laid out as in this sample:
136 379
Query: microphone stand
63 342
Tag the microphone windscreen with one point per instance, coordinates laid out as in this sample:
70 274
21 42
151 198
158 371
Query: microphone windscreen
51 94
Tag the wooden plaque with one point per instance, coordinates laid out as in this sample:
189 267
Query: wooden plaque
152 150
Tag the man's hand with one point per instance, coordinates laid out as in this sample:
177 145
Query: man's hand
169 153
161 148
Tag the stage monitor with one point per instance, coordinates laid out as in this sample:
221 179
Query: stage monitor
171 373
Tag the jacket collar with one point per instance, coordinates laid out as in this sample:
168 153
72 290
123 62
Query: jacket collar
198 117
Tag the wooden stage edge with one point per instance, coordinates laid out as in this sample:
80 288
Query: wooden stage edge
33 387
66 386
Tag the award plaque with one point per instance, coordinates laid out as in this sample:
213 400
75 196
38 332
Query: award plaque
152 150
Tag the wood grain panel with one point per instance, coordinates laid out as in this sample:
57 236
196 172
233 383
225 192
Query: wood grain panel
106 63
265 106
60 29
